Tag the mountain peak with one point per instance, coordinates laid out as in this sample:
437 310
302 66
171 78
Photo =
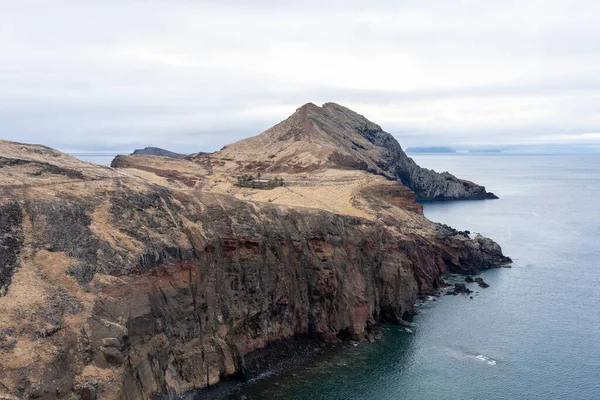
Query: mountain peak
307 106
312 138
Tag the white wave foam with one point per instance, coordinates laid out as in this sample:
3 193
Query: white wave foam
465 355
261 376
488 360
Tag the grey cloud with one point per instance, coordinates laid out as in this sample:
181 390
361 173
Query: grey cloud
195 75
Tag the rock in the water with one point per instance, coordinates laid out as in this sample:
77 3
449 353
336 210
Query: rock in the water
481 283
468 279
461 288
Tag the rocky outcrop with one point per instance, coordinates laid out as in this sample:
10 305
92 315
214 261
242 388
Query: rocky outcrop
481 283
333 136
118 288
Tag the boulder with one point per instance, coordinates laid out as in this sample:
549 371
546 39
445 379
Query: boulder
481 283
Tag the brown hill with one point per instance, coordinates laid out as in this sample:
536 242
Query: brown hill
319 138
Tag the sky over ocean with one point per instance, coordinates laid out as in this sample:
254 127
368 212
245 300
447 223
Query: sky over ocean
194 76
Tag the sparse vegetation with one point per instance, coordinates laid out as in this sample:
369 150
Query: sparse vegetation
257 182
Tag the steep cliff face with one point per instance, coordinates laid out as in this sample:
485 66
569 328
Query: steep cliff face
333 136
118 288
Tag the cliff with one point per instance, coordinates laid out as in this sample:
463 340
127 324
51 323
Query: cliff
160 276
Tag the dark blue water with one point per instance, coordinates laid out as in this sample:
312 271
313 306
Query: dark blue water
533 334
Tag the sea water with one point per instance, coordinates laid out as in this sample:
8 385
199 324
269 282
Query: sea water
96 158
533 334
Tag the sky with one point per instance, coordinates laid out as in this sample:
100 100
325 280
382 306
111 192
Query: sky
195 75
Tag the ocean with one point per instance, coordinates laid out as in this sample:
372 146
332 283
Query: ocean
96 158
533 334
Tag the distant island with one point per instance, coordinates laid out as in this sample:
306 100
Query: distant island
436 150
156 151
485 151
448 150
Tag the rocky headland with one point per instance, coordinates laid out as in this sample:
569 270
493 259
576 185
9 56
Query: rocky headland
156 151
316 138
160 275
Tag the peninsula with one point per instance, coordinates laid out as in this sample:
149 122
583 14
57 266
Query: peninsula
161 275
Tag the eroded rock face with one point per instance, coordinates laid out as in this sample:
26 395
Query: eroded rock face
125 289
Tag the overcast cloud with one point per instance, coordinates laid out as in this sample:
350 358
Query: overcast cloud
194 75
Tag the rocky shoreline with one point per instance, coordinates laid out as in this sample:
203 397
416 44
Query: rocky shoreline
274 360
280 358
